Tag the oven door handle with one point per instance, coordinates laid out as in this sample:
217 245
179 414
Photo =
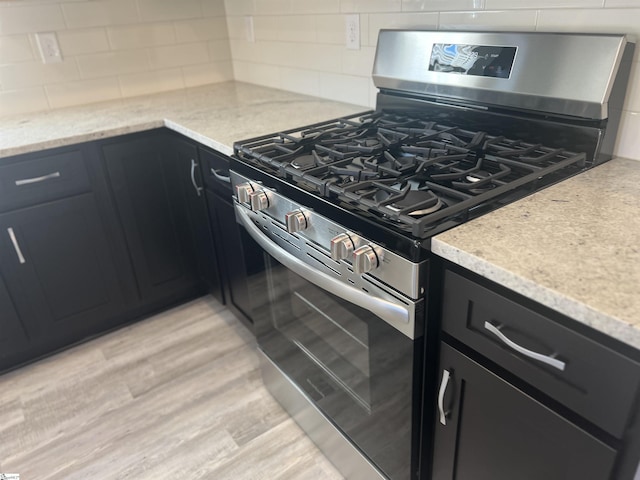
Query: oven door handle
395 315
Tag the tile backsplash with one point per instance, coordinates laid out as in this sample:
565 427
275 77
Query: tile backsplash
121 48
110 49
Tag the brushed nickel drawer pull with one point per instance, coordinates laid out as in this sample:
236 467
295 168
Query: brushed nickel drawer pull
553 362
29 181
443 389
193 176
222 178
14 240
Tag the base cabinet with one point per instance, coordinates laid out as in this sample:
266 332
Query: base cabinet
493 431
13 338
152 213
58 268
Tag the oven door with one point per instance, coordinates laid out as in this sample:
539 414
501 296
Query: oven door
340 349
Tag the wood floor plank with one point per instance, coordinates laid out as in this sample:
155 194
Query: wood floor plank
178 395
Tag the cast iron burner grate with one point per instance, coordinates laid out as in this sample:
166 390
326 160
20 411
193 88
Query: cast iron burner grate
413 173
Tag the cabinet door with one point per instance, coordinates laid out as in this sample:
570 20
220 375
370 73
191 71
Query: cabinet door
494 431
153 218
12 333
59 269
185 163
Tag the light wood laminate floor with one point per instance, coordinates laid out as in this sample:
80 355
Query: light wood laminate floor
176 396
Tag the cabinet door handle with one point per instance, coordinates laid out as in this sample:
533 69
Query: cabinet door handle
222 178
193 177
443 389
28 181
14 240
554 362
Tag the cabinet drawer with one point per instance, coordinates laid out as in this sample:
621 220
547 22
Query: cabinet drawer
215 171
592 380
35 180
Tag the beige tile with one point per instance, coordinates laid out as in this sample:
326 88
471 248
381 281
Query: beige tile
178 55
24 18
113 63
235 27
301 81
534 4
628 143
240 7
22 101
81 41
324 58
315 6
206 73
267 75
264 28
15 48
141 35
331 29
85 91
632 98
99 13
358 62
345 88
370 6
273 7
144 83
161 10
297 28
621 3
201 29
219 50
624 20
213 8
441 5
21 75
506 20
399 20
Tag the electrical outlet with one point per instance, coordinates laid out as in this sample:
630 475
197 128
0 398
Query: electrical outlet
49 48
248 29
353 31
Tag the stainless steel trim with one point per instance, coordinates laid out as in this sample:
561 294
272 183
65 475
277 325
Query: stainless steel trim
561 73
193 177
222 178
403 275
335 446
394 314
443 389
14 240
29 181
553 362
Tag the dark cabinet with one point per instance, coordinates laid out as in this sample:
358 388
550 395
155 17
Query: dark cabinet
227 235
152 212
184 162
58 268
13 337
490 430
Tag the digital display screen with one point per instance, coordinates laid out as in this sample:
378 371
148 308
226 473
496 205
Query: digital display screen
477 60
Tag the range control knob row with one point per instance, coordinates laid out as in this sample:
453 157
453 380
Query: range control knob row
243 190
258 200
343 246
367 258
297 221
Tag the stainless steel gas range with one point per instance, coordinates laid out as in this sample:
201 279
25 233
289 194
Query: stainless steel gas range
343 212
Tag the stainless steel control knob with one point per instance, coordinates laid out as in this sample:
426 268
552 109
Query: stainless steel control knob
367 258
258 200
343 246
297 221
243 190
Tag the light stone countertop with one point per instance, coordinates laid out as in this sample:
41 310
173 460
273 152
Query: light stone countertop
573 247
214 115
564 247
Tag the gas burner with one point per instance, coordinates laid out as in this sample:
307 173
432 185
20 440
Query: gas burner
417 203
303 162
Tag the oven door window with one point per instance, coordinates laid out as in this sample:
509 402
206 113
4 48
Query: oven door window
355 367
